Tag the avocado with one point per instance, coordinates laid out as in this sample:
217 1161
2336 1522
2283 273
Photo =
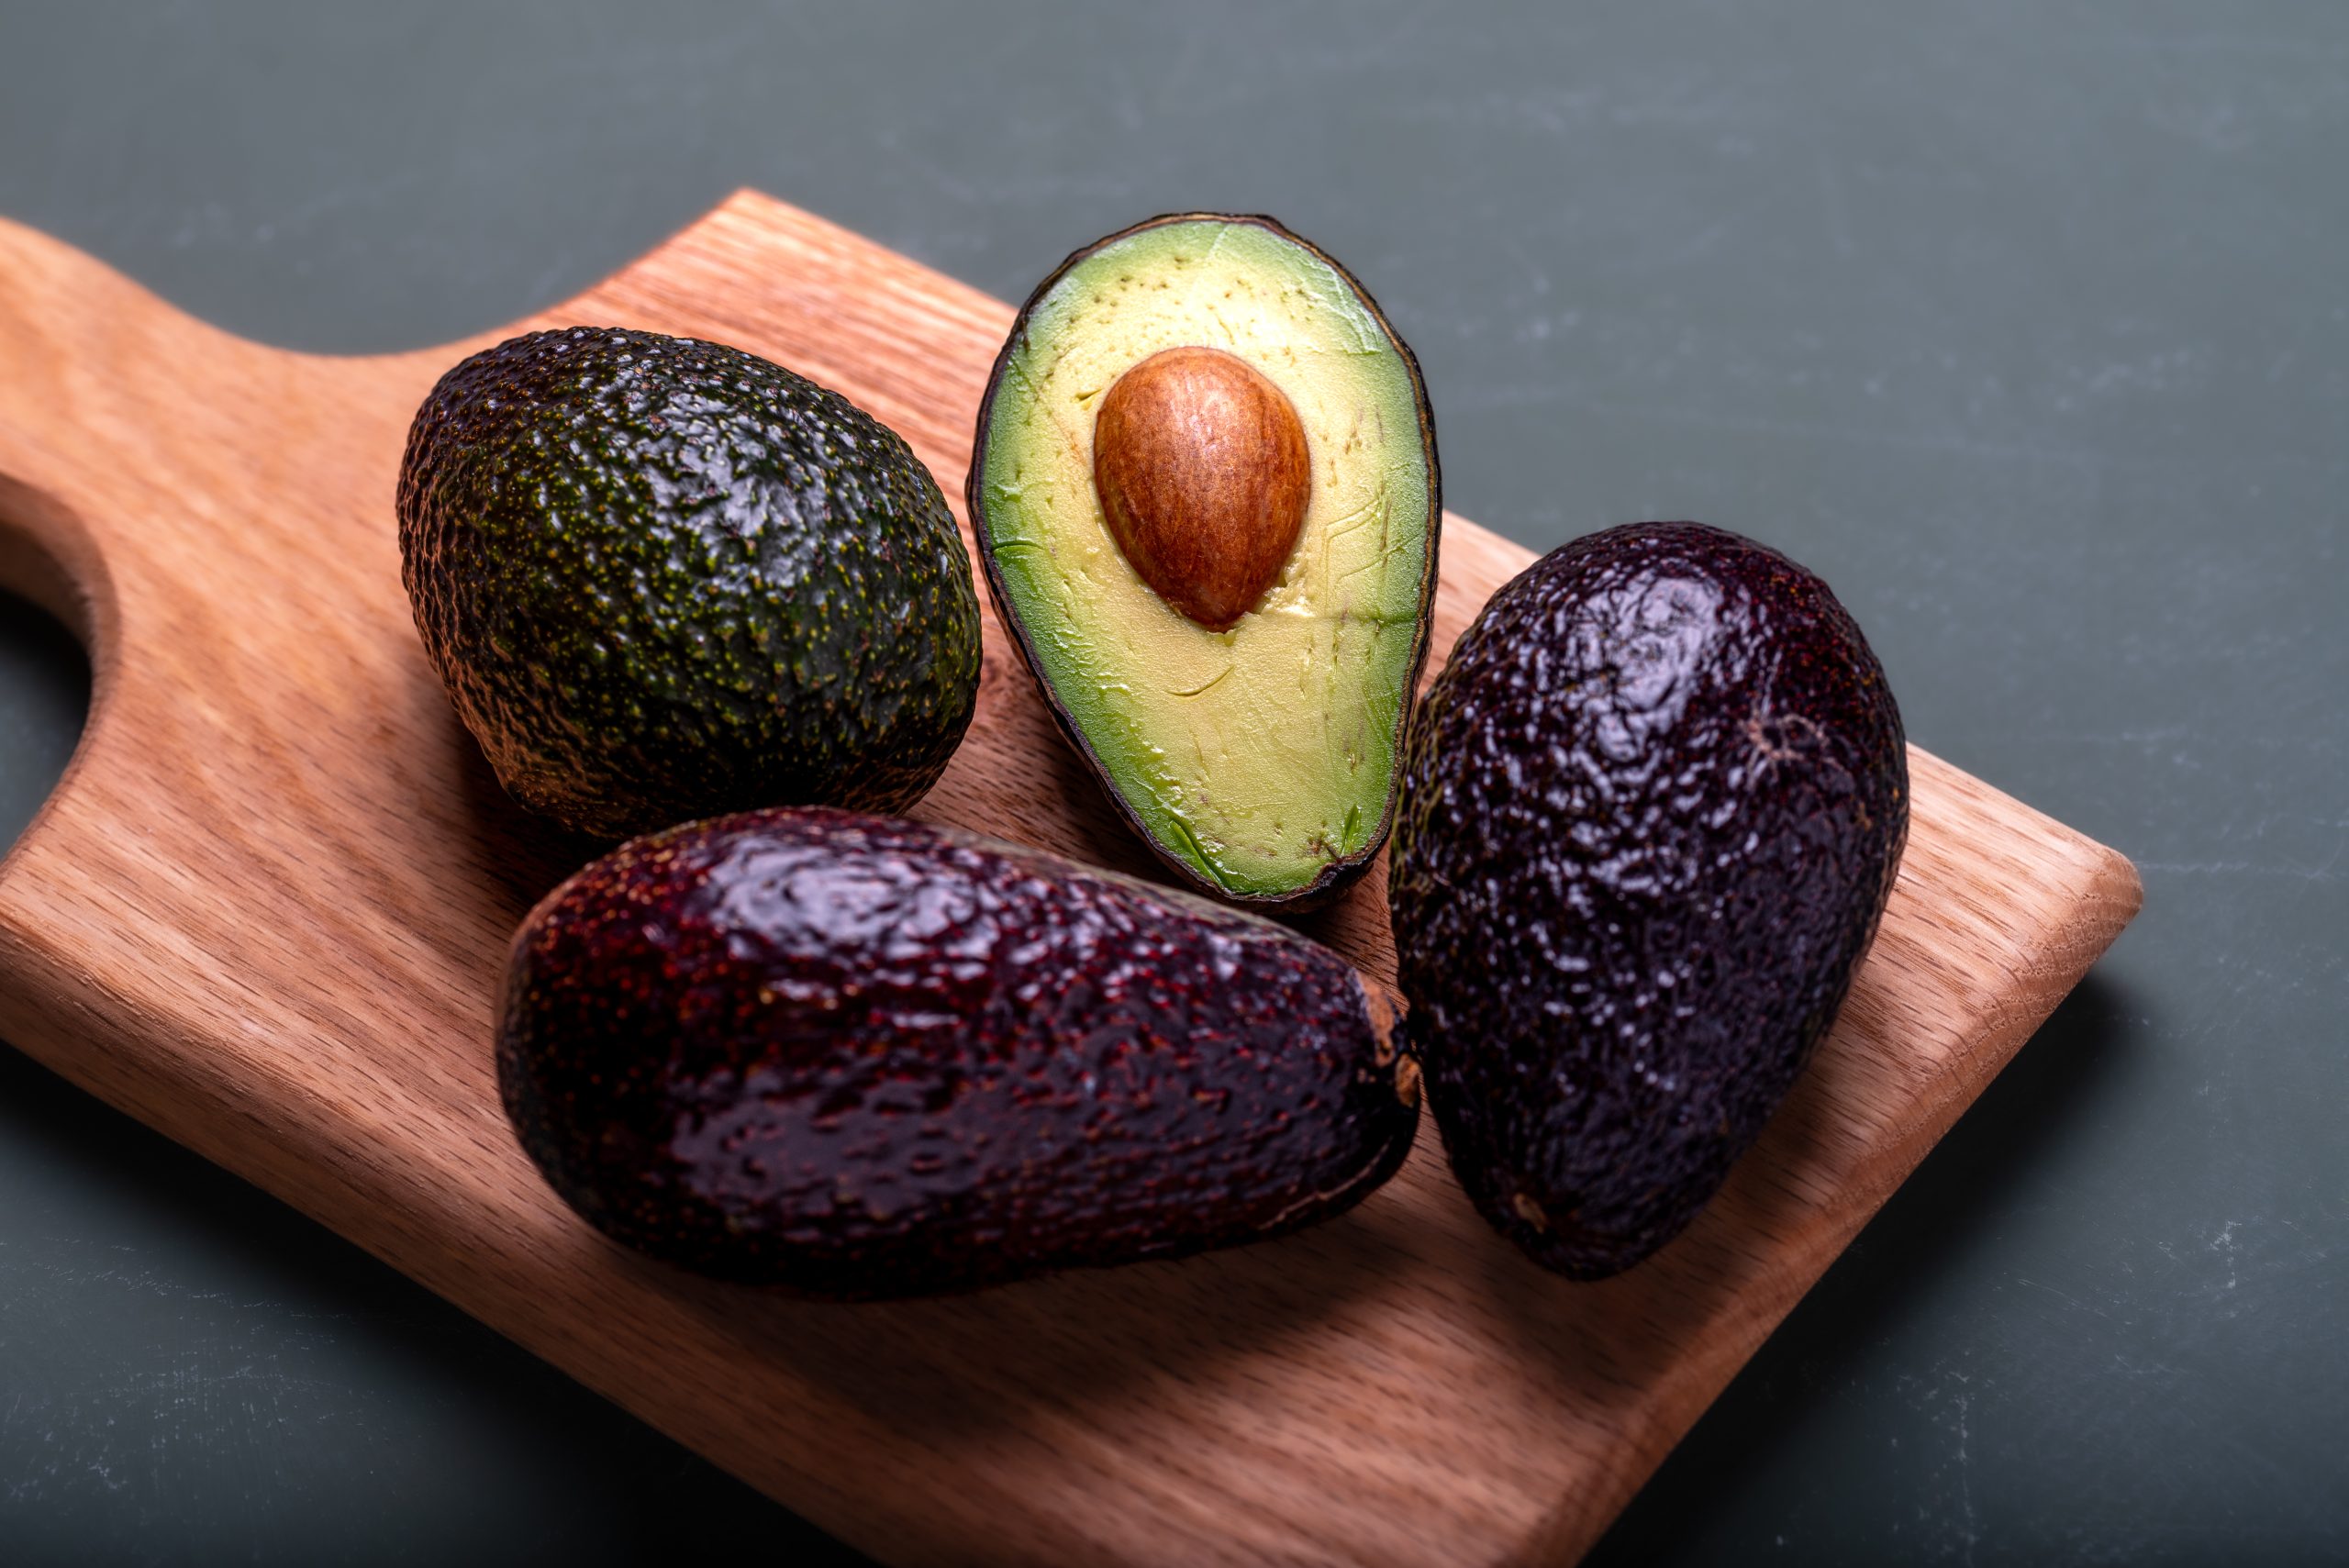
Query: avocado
662 579
1651 809
860 1057
1205 491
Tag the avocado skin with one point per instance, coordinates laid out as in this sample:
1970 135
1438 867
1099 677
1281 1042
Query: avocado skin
1338 877
662 578
860 1058
1651 810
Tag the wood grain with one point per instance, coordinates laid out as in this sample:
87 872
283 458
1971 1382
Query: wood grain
265 910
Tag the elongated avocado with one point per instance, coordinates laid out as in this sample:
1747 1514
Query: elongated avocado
862 1057
1651 809
1205 493
662 578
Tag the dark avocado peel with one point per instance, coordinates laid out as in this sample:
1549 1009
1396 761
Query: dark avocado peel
662 578
1222 588
1651 810
863 1058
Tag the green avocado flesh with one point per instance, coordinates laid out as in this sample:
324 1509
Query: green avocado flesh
1258 760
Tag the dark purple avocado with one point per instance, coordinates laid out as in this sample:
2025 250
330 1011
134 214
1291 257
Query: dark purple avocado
862 1057
1650 812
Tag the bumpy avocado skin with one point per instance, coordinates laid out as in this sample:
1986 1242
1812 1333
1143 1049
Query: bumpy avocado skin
662 579
860 1058
1650 812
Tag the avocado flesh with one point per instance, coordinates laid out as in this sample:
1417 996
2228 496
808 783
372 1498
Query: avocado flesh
859 1057
1649 815
1257 758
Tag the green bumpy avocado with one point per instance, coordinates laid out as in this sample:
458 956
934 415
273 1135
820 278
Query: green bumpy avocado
662 579
1236 660
859 1057
1651 810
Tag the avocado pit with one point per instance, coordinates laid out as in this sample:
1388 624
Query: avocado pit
1200 464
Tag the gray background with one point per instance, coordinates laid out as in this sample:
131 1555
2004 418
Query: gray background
2025 322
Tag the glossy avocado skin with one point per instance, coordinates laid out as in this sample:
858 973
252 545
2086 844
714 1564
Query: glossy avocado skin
862 1057
662 578
1650 812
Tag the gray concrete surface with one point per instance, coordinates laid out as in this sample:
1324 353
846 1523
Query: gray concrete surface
2026 322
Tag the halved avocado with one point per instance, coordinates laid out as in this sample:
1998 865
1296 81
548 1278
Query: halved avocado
1206 494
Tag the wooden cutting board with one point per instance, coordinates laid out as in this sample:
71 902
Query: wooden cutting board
266 909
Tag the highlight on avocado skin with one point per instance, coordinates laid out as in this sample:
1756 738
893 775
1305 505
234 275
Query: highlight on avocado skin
860 1058
1652 812
1237 683
664 578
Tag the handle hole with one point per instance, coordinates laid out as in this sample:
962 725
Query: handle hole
44 703
55 609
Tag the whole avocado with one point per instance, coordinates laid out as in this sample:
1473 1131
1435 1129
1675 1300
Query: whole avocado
662 578
862 1057
1651 810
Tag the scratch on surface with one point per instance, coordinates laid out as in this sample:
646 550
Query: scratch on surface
1190 297
1969 1526
2241 868
2067 1300
1491 396
1210 685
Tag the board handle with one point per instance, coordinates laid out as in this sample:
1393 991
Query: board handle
189 504
75 336
70 328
